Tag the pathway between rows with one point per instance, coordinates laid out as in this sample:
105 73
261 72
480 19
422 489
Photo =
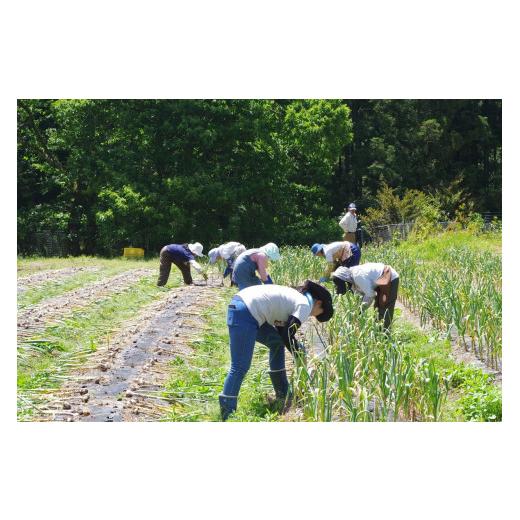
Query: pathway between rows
123 380
35 318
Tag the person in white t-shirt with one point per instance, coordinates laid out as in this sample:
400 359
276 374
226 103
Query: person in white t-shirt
375 282
228 252
252 313
349 223
337 254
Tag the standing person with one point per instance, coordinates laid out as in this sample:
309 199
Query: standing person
337 254
183 256
349 223
277 306
252 260
375 282
228 252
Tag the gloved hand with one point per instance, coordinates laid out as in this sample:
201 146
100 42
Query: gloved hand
299 348
323 279
227 271
268 281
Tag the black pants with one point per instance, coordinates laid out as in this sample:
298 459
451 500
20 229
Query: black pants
387 312
341 286
165 264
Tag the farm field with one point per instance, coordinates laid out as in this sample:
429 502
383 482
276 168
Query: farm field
99 341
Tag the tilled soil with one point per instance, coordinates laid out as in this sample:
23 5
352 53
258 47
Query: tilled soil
123 381
35 318
35 280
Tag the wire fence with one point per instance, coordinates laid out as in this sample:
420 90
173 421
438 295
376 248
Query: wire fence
56 243
50 243
403 229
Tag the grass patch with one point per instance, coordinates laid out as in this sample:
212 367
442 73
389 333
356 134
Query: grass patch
472 394
433 249
430 346
196 381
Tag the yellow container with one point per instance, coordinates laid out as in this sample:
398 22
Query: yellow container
133 252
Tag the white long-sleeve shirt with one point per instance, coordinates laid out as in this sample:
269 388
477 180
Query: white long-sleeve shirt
364 278
349 223
195 265
228 249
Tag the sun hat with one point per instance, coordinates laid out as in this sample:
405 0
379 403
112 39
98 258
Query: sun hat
213 255
271 250
343 273
316 248
196 248
240 249
318 292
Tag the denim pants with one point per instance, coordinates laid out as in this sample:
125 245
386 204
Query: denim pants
354 258
244 273
243 333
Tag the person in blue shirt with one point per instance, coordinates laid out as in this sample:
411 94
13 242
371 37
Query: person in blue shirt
183 256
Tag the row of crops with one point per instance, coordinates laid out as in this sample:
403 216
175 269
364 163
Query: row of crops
369 375
366 374
459 293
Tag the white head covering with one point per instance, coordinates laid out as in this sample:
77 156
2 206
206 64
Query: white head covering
196 248
239 250
343 273
271 250
213 255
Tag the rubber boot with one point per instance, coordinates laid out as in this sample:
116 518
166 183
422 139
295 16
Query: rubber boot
227 406
281 389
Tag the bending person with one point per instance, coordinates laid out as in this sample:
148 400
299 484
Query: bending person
251 261
282 307
337 254
376 282
228 252
183 256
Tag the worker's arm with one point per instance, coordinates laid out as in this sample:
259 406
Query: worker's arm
328 271
198 268
365 287
366 302
261 267
288 331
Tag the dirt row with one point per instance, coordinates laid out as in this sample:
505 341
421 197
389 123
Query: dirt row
35 318
123 380
55 275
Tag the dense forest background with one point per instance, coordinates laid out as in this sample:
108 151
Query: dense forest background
104 174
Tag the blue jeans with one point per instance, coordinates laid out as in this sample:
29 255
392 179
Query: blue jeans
244 273
243 333
354 258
